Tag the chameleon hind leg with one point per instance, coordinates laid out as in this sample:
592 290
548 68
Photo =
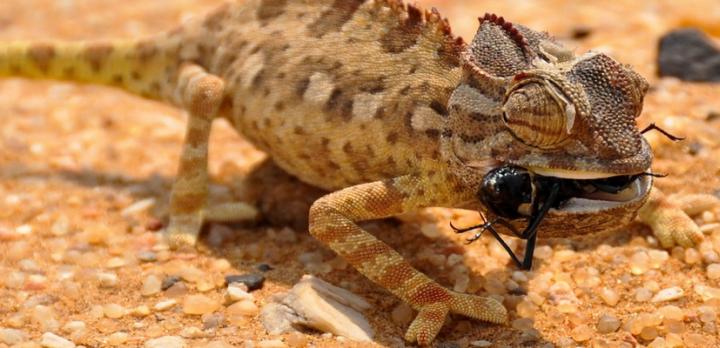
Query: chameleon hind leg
333 221
201 94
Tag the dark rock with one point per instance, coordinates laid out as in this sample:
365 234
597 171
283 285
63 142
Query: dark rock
688 54
169 281
264 267
712 116
581 32
252 281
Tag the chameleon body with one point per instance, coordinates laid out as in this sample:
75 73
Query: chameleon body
379 103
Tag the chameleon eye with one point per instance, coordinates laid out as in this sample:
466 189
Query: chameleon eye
539 115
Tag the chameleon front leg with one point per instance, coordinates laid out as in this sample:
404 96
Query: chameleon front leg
333 221
201 94
670 224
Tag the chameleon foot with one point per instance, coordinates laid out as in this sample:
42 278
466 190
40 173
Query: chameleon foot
182 232
670 224
431 317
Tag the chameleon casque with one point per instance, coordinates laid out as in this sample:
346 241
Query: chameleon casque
379 103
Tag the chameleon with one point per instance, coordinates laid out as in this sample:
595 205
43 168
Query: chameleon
380 104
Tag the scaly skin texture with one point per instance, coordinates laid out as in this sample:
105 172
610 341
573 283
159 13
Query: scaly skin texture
381 104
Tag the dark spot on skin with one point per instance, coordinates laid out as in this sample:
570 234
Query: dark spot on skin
347 148
405 35
333 19
299 130
96 54
392 138
145 51
333 165
371 85
135 75
258 79
69 72
302 86
42 55
339 104
279 106
405 90
439 108
117 80
449 54
270 9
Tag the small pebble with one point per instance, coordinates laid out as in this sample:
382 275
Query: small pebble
658 342
581 333
668 294
199 305
151 285
252 281
713 271
481 344
430 230
243 308
107 279
113 311
192 332
609 296
118 338
402 314
608 323
271 344
140 311
264 267
692 256
168 282
146 256
164 305
296 340
51 340
236 293
166 342
649 333
12 336
177 290
116 262
522 324
639 263
212 321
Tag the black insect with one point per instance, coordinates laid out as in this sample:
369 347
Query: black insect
513 193
509 191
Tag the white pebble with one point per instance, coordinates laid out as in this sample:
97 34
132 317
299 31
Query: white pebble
668 294
166 342
236 293
430 230
164 305
107 279
151 285
713 271
51 340
118 338
73 326
12 336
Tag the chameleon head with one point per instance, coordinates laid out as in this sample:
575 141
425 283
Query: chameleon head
527 101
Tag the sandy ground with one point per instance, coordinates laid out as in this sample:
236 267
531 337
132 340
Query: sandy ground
85 173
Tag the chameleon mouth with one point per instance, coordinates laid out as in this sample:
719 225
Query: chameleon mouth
589 192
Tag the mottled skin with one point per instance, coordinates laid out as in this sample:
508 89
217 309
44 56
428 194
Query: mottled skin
379 103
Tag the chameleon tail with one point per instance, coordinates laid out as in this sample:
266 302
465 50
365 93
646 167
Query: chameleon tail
140 67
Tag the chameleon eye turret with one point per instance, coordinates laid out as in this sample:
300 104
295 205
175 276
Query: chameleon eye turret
539 115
